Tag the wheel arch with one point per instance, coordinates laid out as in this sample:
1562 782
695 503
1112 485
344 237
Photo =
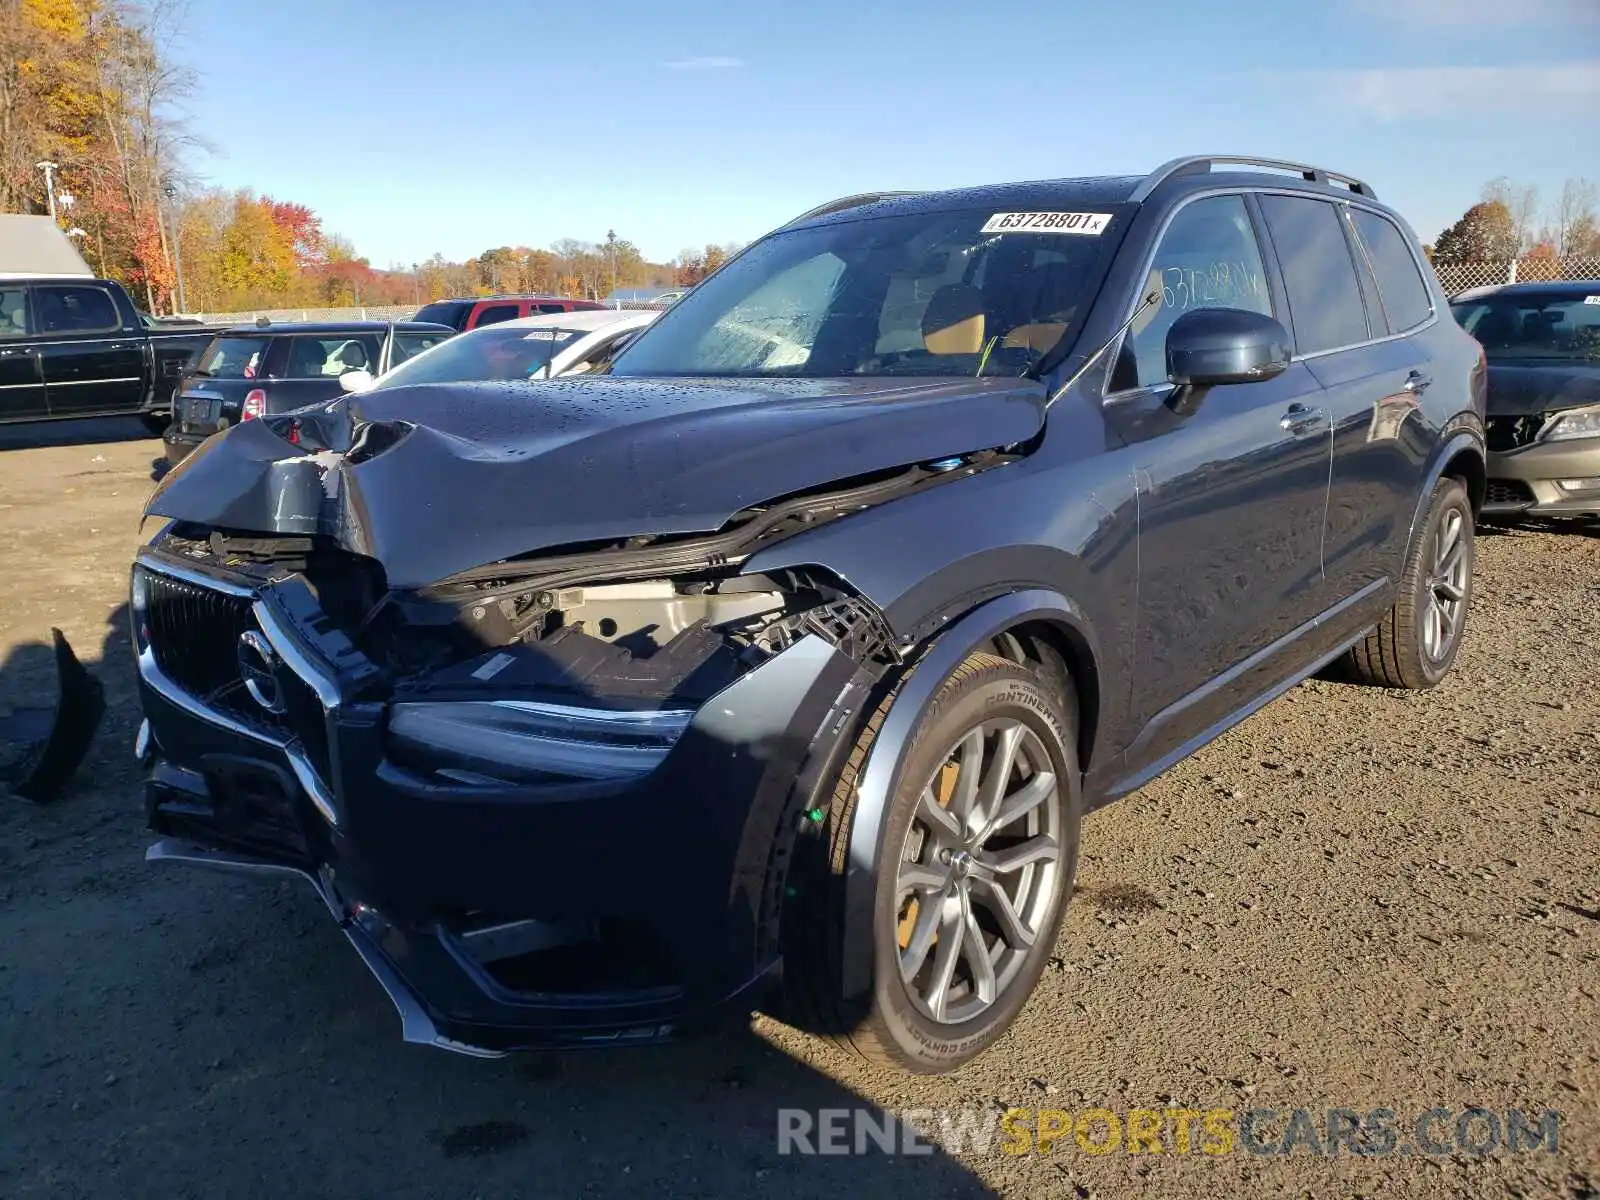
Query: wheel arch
1467 464
1461 456
1037 620
1061 651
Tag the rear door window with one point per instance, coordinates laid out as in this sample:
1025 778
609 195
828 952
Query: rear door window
1318 273
13 312
493 314
327 356
63 309
1400 283
1207 258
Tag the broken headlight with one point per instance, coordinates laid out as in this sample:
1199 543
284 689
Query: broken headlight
499 741
1579 423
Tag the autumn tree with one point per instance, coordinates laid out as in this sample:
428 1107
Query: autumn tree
1573 228
43 95
257 262
302 229
695 265
1485 233
1521 203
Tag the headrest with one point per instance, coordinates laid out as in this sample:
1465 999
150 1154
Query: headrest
953 321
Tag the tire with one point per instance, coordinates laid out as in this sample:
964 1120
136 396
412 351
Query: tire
155 423
1415 644
918 1025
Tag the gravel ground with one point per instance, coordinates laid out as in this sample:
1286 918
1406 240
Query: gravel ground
1356 899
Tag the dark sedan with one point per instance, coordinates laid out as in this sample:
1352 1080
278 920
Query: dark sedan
1542 341
254 371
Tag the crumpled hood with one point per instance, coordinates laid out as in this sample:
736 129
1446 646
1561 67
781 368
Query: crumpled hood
1519 389
450 476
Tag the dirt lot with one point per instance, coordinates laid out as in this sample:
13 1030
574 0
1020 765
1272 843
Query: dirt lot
1357 899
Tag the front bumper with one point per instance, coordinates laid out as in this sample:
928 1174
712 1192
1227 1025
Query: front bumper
1525 480
667 881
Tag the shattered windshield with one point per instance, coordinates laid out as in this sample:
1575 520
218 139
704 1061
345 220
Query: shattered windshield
974 292
1561 328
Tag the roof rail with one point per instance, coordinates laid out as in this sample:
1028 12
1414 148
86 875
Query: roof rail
1199 164
845 202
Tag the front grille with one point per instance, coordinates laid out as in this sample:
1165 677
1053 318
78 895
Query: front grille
1512 433
1507 491
194 634
194 631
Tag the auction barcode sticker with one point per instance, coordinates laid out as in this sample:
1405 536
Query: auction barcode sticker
1047 222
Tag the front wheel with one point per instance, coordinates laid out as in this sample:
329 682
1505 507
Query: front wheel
1415 644
979 850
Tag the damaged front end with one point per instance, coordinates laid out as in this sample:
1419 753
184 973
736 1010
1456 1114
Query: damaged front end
551 798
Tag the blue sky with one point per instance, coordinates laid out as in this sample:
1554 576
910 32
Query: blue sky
418 127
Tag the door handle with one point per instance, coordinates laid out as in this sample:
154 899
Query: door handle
1300 420
1417 382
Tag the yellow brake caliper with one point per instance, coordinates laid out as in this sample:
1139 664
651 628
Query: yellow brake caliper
944 788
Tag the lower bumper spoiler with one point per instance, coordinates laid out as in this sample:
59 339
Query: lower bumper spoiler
416 1025
55 739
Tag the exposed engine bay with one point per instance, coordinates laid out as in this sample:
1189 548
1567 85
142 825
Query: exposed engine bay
641 623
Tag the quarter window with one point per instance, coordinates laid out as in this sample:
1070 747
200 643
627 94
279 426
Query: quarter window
495 313
1207 258
1318 273
1405 295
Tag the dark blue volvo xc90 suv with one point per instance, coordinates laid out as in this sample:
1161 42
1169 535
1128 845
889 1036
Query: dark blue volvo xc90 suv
799 643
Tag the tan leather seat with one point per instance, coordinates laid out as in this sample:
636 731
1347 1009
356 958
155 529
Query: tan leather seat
953 321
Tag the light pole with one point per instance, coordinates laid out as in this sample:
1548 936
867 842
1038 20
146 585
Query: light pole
416 282
177 245
49 169
611 245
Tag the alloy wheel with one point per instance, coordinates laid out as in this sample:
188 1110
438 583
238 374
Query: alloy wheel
1445 606
978 872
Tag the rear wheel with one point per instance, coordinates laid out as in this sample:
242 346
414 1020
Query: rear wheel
980 846
1415 644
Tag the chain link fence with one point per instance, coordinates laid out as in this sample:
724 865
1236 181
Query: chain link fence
1458 277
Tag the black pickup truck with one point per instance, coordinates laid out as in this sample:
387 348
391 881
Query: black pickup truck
78 348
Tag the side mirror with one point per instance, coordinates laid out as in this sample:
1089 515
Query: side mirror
1210 346
358 380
